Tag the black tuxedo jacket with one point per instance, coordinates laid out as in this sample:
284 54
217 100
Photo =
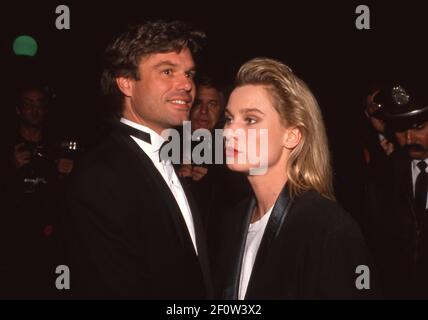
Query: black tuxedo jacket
311 249
124 232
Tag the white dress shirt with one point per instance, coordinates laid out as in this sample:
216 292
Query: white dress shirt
415 173
254 238
166 170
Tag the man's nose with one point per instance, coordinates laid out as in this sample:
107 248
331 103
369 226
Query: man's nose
35 108
204 108
409 137
185 83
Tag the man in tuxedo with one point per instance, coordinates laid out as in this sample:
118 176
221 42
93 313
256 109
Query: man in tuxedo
397 197
131 230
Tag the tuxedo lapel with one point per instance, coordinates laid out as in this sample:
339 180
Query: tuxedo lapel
200 239
146 169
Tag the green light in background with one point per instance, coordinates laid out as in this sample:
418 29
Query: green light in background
25 46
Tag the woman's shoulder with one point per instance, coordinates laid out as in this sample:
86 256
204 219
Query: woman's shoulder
314 209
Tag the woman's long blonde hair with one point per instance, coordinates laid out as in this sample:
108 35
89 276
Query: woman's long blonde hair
309 165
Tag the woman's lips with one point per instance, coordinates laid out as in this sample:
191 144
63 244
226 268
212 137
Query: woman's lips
231 152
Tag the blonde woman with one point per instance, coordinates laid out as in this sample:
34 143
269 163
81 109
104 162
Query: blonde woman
290 240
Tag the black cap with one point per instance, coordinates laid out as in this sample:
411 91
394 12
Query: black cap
400 108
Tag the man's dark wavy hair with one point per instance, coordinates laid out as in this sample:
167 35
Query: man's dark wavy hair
123 55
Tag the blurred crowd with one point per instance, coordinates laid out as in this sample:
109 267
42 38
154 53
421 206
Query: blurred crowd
36 164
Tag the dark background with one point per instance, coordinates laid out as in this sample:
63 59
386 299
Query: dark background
318 40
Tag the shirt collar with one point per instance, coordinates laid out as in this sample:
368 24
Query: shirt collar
157 140
416 161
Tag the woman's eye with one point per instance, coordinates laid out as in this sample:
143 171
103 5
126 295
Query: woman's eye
250 120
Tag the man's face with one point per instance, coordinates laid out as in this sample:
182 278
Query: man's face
32 108
206 111
415 141
163 96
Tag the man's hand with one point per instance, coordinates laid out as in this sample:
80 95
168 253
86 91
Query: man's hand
194 172
21 156
64 166
185 171
198 173
387 146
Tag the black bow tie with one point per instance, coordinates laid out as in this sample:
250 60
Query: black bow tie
145 136
142 135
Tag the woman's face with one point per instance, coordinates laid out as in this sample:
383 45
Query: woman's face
254 132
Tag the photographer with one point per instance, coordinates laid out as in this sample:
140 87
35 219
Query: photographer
36 165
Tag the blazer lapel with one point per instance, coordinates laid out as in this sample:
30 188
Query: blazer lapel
148 168
275 224
232 283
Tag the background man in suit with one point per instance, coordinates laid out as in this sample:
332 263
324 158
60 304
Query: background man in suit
397 196
130 229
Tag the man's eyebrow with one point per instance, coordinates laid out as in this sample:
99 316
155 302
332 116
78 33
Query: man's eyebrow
165 63
192 69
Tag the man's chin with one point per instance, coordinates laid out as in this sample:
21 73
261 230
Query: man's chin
179 121
202 125
196 126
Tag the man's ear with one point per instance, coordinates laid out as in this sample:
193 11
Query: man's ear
18 112
125 85
292 137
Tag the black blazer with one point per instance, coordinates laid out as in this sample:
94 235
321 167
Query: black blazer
124 232
310 250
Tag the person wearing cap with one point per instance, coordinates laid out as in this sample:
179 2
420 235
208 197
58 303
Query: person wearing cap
397 198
